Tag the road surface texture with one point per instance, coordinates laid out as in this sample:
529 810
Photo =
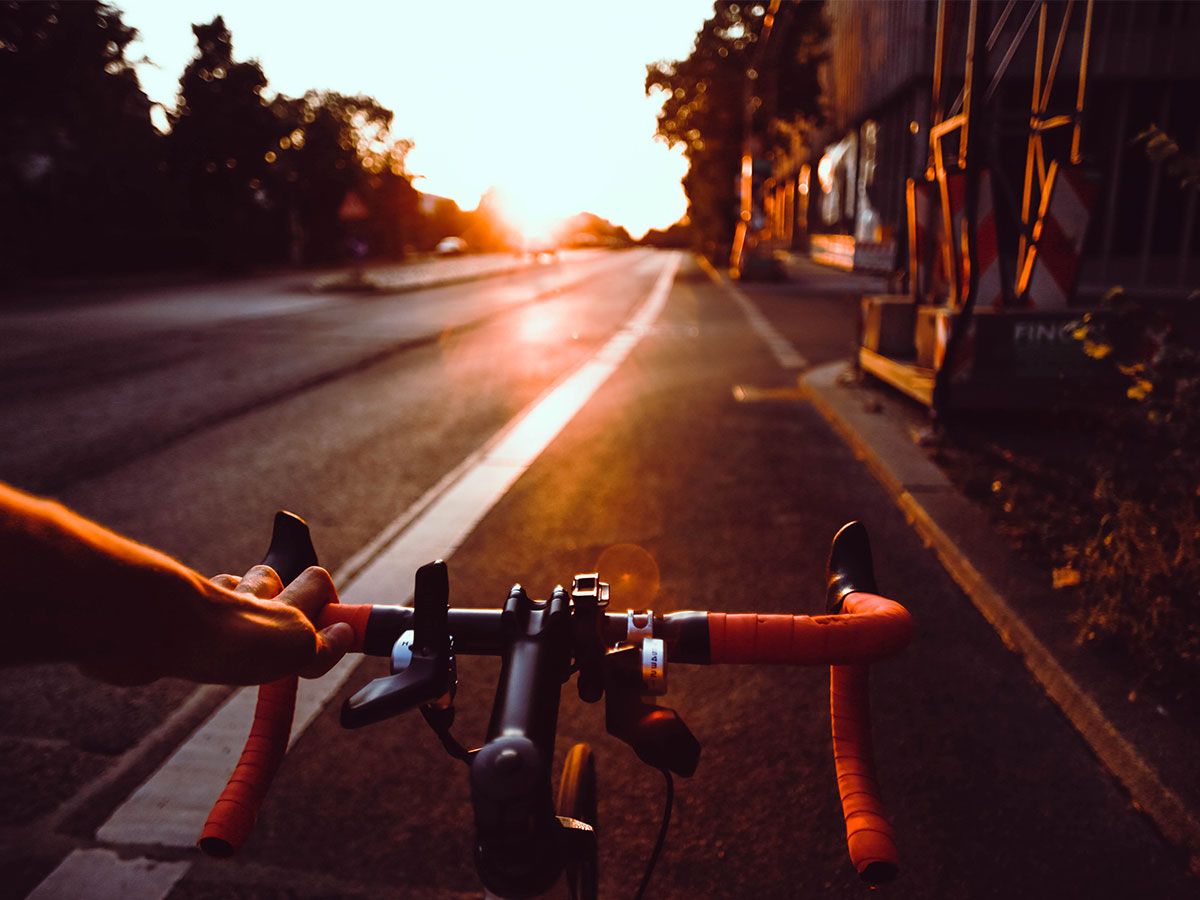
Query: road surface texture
185 417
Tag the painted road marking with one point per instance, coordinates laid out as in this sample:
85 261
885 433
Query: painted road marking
170 808
781 348
102 875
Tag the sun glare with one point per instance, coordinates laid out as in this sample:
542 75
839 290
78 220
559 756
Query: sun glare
542 100
532 210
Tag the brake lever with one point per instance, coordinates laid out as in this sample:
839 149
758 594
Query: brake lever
428 677
657 734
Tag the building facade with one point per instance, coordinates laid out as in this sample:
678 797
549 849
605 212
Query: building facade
844 194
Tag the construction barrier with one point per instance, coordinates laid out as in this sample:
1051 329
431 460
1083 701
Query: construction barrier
835 250
987 248
842 251
1051 268
944 322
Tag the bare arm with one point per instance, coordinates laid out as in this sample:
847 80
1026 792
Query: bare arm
75 591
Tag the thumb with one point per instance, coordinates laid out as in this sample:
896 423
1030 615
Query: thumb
332 644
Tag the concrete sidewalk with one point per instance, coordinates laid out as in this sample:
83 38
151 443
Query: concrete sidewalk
1151 750
825 279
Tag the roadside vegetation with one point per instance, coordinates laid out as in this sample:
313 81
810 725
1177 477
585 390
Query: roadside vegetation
1109 503
730 90
1140 566
95 178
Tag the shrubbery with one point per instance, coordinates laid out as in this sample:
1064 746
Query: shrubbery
1140 569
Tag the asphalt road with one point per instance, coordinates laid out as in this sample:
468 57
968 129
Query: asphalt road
184 417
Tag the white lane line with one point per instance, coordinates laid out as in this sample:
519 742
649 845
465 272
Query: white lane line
102 875
781 348
170 808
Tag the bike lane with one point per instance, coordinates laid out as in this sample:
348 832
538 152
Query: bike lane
685 497
732 504
352 454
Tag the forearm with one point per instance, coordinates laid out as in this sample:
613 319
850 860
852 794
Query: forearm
72 587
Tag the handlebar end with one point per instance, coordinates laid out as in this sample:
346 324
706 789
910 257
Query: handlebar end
850 566
879 872
291 550
217 848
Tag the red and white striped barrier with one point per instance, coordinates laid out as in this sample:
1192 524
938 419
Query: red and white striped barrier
987 248
1048 280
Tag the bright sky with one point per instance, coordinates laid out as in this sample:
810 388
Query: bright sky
542 99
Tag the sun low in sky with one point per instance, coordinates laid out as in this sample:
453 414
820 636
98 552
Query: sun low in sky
541 100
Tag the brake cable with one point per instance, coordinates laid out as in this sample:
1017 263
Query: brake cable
440 719
668 804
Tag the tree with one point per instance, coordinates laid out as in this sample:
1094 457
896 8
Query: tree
439 217
79 174
339 144
589 229
726 91
223 138
678 235
87 183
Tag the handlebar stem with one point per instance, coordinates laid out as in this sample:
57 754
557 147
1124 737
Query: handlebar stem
517 850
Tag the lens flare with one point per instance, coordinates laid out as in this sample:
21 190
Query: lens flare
632 573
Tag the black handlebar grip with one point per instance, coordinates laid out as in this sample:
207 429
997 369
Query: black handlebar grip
291 550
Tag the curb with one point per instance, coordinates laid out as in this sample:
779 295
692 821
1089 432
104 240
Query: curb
785 354
335 284
936 510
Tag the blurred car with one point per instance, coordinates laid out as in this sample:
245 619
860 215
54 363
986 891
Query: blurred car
451 246
538 247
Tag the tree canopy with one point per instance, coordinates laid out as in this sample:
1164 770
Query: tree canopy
87 183
78 161
735 89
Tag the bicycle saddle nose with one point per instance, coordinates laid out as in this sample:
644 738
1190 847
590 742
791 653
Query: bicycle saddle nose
850 568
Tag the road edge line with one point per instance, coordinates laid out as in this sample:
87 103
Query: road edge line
609 357
781 348
1148 793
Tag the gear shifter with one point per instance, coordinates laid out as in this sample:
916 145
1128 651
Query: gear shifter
427 676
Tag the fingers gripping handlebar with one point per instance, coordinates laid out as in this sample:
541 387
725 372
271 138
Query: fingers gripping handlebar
864 627
232 817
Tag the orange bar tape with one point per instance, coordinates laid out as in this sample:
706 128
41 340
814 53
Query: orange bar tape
868 833
869 628
234 813
355 614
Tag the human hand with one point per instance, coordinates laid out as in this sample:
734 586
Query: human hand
277 626
232 630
